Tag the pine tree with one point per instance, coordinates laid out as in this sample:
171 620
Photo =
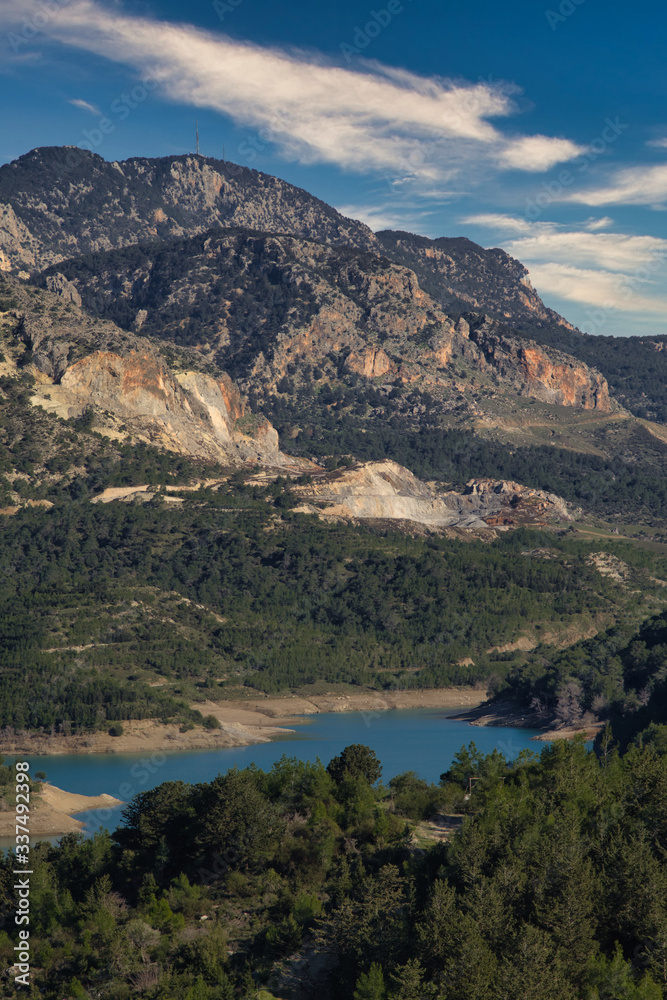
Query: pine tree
370 985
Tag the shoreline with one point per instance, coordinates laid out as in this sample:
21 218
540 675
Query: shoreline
52 812
507 714
243 723
262 719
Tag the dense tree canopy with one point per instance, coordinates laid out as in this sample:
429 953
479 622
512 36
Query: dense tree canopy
553 887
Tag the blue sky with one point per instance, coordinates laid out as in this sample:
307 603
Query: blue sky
536 126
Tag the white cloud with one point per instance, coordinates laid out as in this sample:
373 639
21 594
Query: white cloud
504 223
594 224
378 217
538 153
601 289
78 102
633 186
372 119
657 143
610 270
611 251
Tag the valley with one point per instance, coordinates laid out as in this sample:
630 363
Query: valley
368 430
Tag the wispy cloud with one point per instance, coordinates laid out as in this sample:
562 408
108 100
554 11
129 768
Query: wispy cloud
597 289
633 186
378 217
78 102
538 153
375 118
615 271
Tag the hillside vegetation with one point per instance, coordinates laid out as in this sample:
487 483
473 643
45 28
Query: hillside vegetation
306 880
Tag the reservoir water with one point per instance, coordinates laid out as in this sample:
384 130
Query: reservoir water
421 740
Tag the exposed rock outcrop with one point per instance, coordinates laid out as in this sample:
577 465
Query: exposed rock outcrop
311 303
58 202
387 491
85 366
541 372
189 413
461 274
59 285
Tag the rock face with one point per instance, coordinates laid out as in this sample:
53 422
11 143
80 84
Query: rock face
387 491
87 366
59 202
504 502
188 413
257 280
462 275
268 306
544 373
59 285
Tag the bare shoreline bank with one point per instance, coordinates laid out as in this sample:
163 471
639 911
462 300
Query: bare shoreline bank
52 812
261 719
257 720
506 714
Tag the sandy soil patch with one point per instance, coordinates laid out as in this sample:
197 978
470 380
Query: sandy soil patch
51 812
138 737
257 720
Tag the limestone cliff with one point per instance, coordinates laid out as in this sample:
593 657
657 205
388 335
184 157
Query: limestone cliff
265 306
85 366
464 276
60 202
541 372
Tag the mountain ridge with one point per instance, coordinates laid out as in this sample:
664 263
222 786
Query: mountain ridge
260 303
96 205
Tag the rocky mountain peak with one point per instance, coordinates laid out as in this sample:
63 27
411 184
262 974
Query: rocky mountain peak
60 202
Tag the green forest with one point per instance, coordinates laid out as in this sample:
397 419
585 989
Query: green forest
373 425
313 880
233 588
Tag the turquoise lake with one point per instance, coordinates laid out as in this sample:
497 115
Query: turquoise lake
421 740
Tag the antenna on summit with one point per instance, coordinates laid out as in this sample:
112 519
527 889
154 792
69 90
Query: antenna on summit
197 135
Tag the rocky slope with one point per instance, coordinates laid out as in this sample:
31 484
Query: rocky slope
465 277
124 385
264 307
61 202
387 491
58 202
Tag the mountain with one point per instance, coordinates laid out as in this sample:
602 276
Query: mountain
265 306
57 202
321 438
347 343
121 385
464 277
